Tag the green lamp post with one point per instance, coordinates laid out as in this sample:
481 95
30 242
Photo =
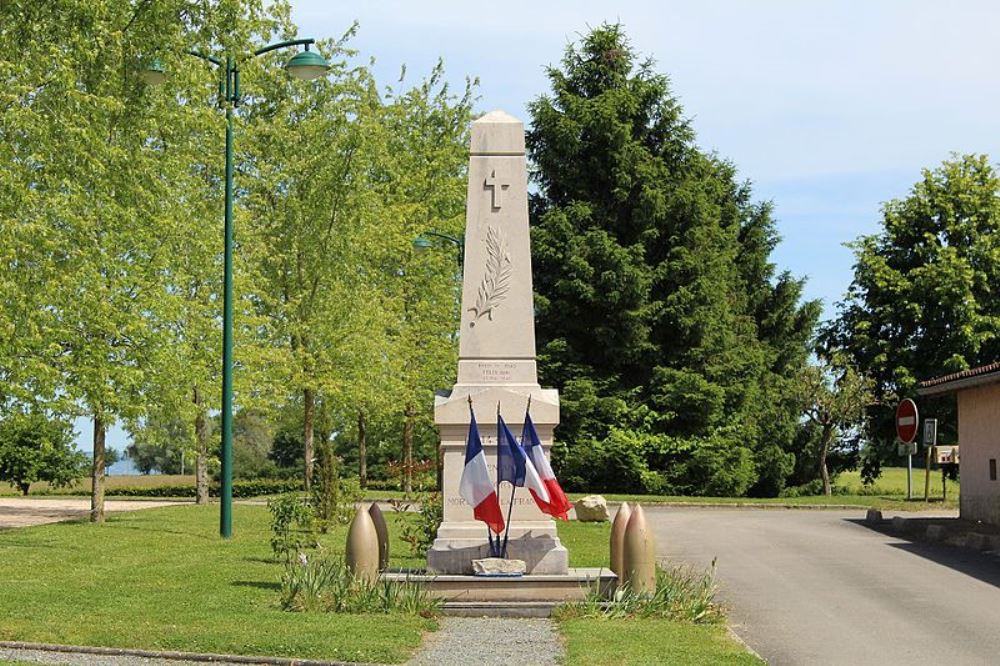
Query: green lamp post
425 242
422 243
306 65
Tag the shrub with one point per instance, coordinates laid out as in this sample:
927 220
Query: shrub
332 498
292 526
241 488
420 534
681 595
328 585
34 447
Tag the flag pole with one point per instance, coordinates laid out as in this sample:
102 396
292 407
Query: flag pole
510 507
495 552
506 532
489 532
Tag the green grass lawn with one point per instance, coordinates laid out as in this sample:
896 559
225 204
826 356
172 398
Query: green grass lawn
162 579
887 493
639 641
884 502
893 482
606 642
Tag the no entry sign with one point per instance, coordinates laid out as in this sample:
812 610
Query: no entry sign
907 420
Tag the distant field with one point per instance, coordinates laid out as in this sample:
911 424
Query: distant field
117 481
893 482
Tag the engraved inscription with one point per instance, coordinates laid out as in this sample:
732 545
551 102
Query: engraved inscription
496 372
496 280
496 189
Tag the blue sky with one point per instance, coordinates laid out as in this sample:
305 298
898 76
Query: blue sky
828 108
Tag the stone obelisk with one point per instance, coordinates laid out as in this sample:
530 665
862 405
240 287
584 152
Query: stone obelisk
496 355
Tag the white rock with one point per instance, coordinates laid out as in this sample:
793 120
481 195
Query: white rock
496 566
592 509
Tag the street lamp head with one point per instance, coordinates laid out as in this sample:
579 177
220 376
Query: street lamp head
307 65
422 243
153 73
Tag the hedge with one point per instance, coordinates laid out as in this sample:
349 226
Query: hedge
241 488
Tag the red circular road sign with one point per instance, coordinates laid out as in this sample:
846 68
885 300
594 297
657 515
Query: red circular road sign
907 420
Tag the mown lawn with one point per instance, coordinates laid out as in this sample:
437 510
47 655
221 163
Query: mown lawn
893 482
641 641
162 579
884 502
607 642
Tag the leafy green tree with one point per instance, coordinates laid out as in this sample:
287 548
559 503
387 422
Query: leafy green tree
314 215
658 311
111 458
34 447
347 177
836 397
158 442
95 172
923 299
424 189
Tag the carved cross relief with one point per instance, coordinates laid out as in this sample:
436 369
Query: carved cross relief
496 188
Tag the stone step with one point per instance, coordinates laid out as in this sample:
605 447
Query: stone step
501 608
498 608
574 585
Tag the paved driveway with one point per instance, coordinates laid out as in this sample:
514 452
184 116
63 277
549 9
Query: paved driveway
818 587
26 511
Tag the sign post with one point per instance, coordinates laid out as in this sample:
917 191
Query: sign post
907 421
930 441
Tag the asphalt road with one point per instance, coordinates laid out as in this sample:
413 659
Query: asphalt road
819 587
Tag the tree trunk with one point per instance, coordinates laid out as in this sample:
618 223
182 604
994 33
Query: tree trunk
408 450
97 474
309 404
823 451
24 488
362 450
202 435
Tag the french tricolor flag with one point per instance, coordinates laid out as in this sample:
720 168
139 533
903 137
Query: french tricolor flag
555 503
476 488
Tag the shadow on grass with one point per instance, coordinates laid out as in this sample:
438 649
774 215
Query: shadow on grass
147 527
263 560
977 564
257 584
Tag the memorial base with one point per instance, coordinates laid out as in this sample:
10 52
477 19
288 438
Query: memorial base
458 544
574 585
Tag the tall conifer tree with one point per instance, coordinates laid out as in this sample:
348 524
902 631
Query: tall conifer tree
659 312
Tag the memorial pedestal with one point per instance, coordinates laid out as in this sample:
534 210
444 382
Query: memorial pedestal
496 357
461 538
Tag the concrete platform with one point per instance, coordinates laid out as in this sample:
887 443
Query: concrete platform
572 586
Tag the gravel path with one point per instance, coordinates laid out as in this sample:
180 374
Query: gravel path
81 659
28 511
490 642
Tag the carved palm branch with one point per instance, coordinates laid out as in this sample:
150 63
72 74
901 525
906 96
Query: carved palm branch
496 280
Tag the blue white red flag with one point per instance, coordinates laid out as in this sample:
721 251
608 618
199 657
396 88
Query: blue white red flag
475 487
513 464
557 504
